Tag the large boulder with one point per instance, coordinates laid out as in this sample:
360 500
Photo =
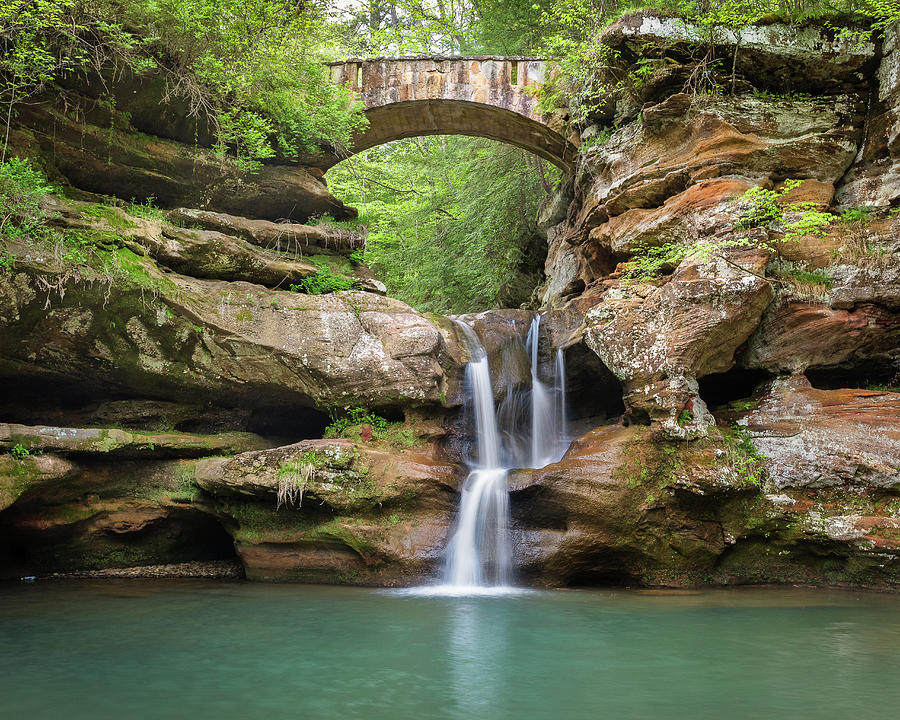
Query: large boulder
816 438
335 511
322 238
778 56
796 334
191 251
681 141
659 340
123 326
625 506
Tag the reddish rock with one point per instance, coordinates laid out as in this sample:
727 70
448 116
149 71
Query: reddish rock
681 219
825 438
795 335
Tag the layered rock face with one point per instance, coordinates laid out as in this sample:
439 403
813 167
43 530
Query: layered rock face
734 467
733 366
151 368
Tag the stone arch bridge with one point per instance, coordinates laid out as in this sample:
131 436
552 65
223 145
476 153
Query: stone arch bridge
489 97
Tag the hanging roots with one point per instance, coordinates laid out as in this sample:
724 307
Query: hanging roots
292 484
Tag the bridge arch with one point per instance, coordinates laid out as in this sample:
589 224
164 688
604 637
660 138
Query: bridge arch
487 97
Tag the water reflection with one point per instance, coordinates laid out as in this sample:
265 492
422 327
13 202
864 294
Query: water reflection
478 649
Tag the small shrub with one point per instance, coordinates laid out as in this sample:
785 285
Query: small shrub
352 418
352 425
809 222
598 140
648 263
811 285
766 207
684 417
763 208
19 451
745 458
883 387
146 209
7 261
21 188
324 281
856 215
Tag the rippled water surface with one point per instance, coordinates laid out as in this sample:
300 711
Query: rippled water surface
189 649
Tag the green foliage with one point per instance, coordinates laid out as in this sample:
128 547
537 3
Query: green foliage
350 423
466 27
798 219
809 222
253 71
450 221
352 417
21 188
42 39
764 207
812 277
649 262
857 215
684 417
19 451
812 285
601 138
788 96
570 32
356 257
324 281
146 210
883 387
744 457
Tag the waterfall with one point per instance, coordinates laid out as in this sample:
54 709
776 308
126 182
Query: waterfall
479 551
479 554
560 394
548 405
544 416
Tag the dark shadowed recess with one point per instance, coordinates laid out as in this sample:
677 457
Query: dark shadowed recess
872 373
720 389
592 391
183 535
604 568
32 401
